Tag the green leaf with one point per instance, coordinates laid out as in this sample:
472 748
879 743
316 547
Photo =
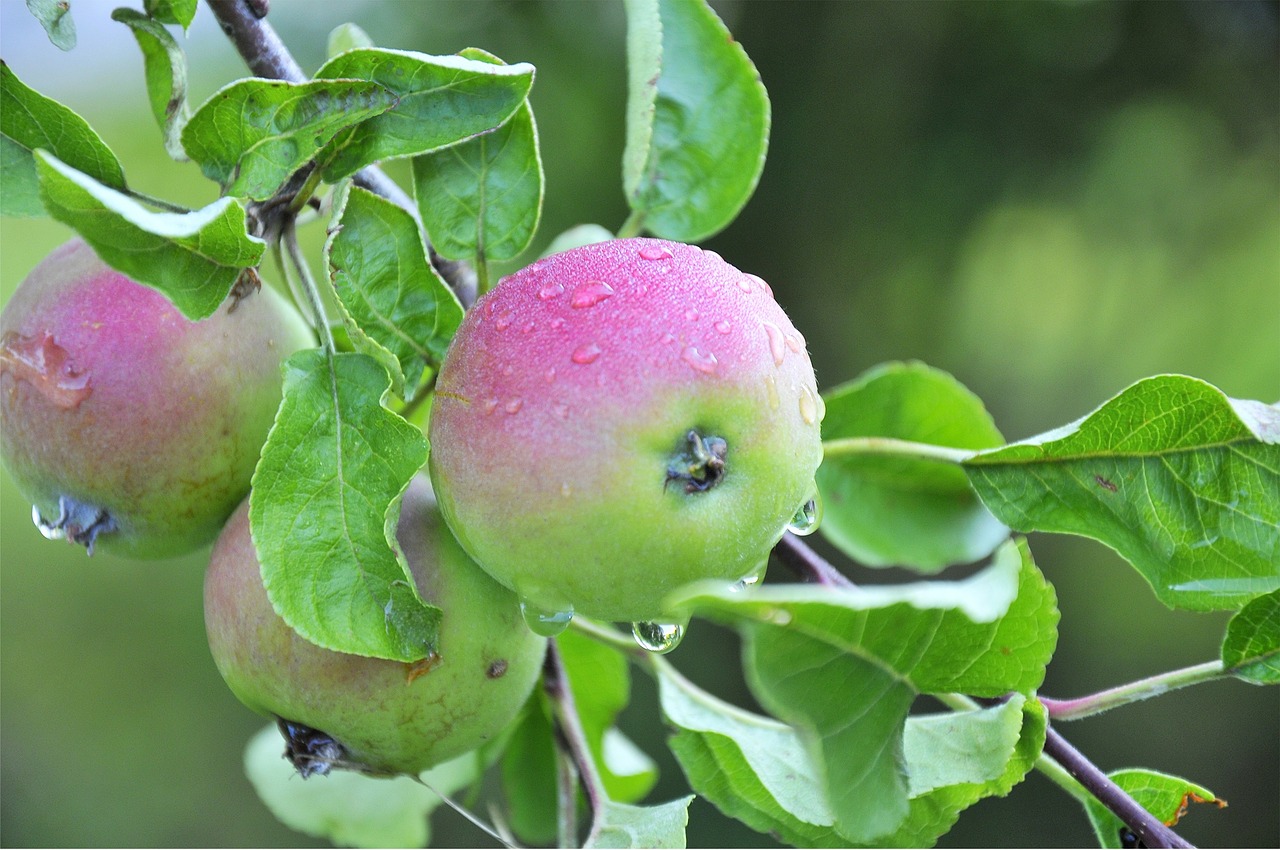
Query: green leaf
349 808
55 17
193 258
443 100
576 237
180 12
324 507
844 666
528 775
387 285
482 198
1182 481
621 825
253 134
886 509
1251 650
31 121
601 684
1163 795
697 120
165 68
346 37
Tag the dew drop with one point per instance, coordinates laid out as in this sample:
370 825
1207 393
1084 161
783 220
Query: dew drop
723 327
744 283
508 370
703 361
49 530
658 638
557 323
692 315
550 375
808 517
542 621
763 284
590 294
808 406
655 252
584 354
777 344
550 292
490 405
752 578
514 405
668 338
502 322
795 342
46 366
528 327
771 392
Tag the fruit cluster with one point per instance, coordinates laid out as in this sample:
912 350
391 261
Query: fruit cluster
610 423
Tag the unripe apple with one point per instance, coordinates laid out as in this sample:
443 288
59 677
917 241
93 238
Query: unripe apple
128 425
378 716
620 419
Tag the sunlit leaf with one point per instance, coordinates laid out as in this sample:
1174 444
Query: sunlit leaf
55 17
1251 650
662 825
1176 477
1165 796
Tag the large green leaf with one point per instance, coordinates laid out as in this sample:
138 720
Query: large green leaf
442 101
1176 477
1251 649
892 509
621 825
349 808
29 121
165 68
481 199
253 134
697 120
324 507
193 258
386 284
1165 796
844 666
528 774
55 17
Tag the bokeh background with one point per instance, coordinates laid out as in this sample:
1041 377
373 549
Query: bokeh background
1049 200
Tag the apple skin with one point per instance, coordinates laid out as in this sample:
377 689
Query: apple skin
388 717
142 421
566 401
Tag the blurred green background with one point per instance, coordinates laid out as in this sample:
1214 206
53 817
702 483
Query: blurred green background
1049 200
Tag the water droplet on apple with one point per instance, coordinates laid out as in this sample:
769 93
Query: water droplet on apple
550 292
752 578
808 517
550 375
44 364
691 315
777 344
808 406
508 370
795 342
502 322
744 283
514 405
490 405
528 327
542 621
723 327
655 252
703 361
590 294
557 323
771 391
659 638
584 354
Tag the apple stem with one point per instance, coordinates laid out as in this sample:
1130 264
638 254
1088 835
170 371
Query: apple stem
310 288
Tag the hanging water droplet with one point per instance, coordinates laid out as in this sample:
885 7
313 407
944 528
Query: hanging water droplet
703 361
590 294
752 578
543 621
514 405
49 530
660 638
777 344
808 517
808 406
584 354
550 292
655 252
723 327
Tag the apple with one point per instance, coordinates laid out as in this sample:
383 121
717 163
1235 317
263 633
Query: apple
370 714
620 419
127 425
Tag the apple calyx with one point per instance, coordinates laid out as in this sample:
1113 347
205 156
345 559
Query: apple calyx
700 463
78 522
310 751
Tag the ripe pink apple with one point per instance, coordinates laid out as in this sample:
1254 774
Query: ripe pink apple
129 426
618 420
368 713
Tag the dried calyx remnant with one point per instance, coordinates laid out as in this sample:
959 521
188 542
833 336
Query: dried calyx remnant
699 463
310 751
77 521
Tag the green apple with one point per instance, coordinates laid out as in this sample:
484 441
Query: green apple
621 419
127 425
370 714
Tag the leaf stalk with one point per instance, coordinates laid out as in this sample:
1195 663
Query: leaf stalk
1087 706
891 446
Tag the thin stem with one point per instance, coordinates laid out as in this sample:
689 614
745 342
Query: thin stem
555 682
632 226
1150 831
808 564
462 810
610 637
893 446
1074 709
567 800
310 289
159 203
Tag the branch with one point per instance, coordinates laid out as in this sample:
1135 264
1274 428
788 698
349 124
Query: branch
1149 830
555 682
244 23
800 558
